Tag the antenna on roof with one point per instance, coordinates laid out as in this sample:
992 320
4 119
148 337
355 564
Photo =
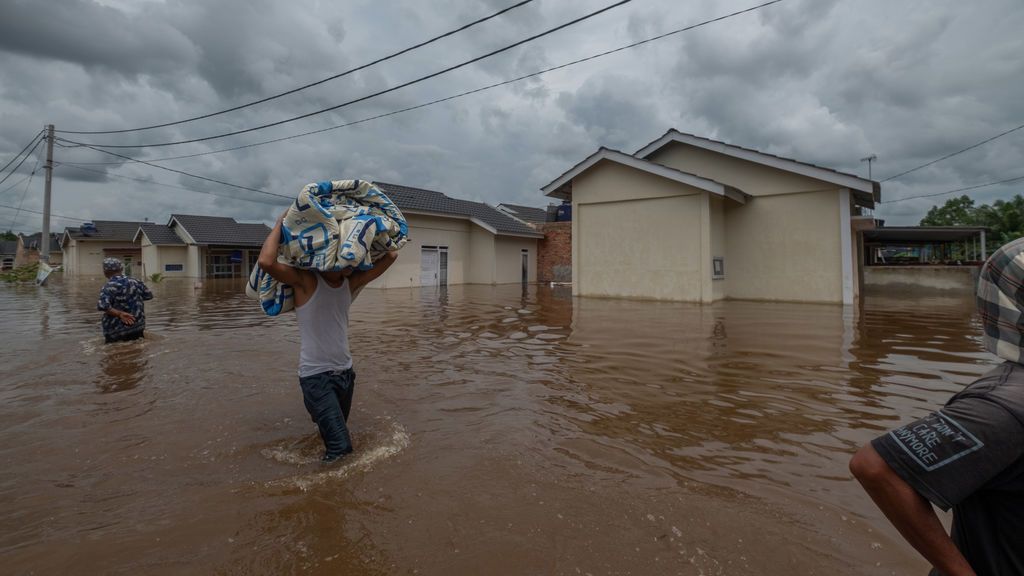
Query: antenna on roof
869 160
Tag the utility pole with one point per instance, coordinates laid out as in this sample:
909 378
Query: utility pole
868 159
44 240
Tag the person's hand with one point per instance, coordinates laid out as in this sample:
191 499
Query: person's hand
127 318
391 255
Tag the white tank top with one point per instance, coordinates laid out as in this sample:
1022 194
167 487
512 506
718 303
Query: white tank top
323 329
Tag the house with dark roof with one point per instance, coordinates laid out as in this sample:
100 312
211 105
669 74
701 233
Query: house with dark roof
453 241
29 248
688 218
195 246
528 214
86 246
8 254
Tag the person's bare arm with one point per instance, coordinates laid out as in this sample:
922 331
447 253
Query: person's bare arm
361 278
911 513
121 315
280 271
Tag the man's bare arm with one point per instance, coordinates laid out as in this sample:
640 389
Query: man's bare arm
361 278
911 513
268 261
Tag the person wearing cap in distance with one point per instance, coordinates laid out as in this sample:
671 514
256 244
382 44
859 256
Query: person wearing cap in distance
124 314
969 454
322 301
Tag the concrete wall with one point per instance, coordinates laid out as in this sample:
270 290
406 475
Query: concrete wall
637 235
480 267
508 262
915 278
716 205
172 255
785 247
85 257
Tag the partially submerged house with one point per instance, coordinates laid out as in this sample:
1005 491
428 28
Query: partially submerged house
195 246
456 241
87 245
693 219
30 246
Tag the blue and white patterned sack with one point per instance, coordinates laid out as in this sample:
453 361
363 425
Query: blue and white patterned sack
331 226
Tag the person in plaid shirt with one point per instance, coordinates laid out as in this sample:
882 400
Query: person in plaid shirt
121 301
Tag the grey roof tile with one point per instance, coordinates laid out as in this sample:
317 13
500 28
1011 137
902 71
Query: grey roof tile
528 213
418 199
110 230
31 241
161 234
219 230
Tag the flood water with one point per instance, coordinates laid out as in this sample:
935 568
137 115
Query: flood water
497 431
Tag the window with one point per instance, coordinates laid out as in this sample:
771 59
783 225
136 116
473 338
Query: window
717 267
174 267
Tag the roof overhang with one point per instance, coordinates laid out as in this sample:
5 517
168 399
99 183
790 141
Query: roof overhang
914 234
854 183
188 237
561 187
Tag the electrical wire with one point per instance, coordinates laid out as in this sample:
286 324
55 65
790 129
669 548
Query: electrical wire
439 100
15 169
183 173
25 193
1007 181
22 151
154 183
40 212
948 156
312 84
369 96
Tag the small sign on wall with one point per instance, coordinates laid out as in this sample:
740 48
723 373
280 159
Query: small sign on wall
717 268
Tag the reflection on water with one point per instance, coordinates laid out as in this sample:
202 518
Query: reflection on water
498 430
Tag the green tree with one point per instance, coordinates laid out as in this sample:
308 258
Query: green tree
8 236
1004 218
955 212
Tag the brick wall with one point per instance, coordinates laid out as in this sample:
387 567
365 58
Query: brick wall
554 252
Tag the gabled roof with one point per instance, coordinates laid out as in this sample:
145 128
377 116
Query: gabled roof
851 181
559 187
31 241
411 200
526 213
107 230
219 230
159 234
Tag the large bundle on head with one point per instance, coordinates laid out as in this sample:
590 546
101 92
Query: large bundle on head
331 226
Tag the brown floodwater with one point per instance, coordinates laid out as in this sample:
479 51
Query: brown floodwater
498 431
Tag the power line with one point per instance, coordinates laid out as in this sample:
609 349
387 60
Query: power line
25 193
154 183
1007 181
445 99
40 212
310 85
13 186
182 172
25 157
22 151
369 96
947 156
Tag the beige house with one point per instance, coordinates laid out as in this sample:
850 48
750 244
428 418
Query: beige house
454 241
692 219
86 246
195 246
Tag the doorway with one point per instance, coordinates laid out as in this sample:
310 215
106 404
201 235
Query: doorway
434 266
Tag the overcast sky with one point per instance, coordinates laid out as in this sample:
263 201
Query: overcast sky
822 81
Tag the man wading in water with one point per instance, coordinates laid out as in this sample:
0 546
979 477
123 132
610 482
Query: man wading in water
969 455
121 301
322 301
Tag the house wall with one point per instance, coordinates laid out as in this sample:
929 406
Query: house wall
636 235
172 255
785 247
150 257
430 231
719 286
785 243
508 261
